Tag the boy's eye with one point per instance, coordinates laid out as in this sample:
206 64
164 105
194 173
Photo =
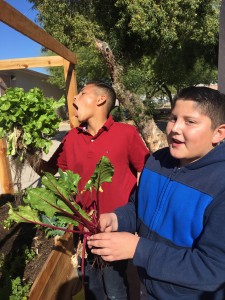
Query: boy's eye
172 118
81 92
190 122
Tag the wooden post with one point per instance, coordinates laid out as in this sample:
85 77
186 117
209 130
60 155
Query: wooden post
6 184
71 91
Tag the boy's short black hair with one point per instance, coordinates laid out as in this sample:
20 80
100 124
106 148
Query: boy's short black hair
211 102
109 90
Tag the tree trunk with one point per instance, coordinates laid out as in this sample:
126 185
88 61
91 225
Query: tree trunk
152 135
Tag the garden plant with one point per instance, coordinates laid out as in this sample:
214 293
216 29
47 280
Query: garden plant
28 121
54 204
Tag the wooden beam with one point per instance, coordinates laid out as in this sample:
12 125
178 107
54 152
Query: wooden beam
6 182
31 62
71 91
19 22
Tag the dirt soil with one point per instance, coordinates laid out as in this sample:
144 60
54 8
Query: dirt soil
12 243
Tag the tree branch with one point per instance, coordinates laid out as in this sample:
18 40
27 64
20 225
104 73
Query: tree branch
152 135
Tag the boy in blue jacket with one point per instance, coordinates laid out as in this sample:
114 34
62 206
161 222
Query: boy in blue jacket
178 210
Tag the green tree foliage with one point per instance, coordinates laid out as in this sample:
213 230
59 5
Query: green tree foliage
161 45
90 67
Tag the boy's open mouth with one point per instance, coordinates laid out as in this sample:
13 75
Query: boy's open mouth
74 105
176 141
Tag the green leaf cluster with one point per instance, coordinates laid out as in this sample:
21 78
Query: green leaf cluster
28 120
12 268
19 289
161 45
54 204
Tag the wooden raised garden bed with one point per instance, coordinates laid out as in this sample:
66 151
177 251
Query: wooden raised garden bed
58 279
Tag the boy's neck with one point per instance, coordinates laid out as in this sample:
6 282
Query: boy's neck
93 126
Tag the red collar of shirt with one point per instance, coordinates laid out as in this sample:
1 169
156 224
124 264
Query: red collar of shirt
109 122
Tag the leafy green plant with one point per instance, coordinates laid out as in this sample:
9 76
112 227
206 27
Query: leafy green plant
28 120
57 199
29 254
12 286
19 290
1 261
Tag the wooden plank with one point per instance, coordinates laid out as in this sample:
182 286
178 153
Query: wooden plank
19 22
57 277
31 62
71 91
6 184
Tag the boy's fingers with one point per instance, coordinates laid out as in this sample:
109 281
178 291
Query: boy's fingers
98 243
100 251
104 253
98 236
108 257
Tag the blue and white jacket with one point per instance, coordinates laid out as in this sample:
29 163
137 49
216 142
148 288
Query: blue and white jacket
179 213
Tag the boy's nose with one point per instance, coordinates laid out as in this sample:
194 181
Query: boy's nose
177 127
74 101
75 98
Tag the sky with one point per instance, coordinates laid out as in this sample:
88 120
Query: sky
15 44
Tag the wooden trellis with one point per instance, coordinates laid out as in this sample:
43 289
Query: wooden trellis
67 59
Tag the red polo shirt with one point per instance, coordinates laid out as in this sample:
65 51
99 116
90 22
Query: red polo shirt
121 143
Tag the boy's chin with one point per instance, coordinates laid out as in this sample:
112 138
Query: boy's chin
175 153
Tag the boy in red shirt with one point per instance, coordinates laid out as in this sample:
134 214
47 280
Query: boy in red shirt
98 135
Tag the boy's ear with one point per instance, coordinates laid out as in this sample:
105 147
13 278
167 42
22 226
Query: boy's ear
219 134
101 100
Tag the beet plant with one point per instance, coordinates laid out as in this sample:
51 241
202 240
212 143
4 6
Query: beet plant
56 200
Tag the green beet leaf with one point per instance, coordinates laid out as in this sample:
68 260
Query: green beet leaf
103 173
56 200
50 182
21 214
69 179
42 200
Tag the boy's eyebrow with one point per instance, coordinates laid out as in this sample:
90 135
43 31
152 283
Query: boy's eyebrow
170 116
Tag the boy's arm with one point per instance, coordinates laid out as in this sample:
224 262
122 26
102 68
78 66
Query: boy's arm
126 215
138 151
202 267
52 165
42 167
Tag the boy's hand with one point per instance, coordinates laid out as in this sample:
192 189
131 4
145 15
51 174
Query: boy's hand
113 246
108 222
